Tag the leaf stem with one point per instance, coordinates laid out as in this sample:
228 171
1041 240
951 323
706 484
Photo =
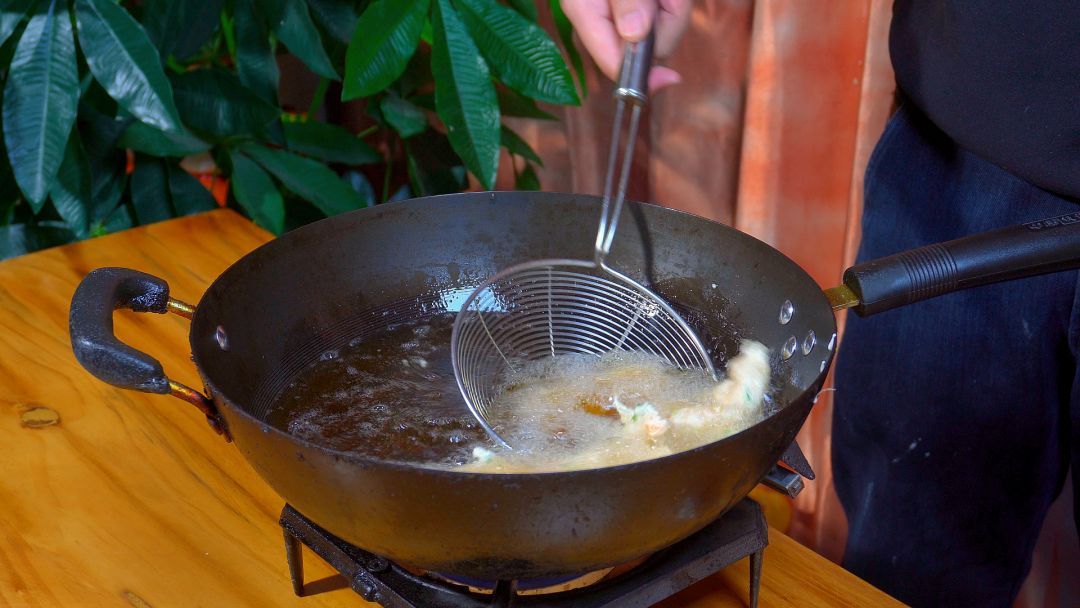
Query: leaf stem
319 97
367 131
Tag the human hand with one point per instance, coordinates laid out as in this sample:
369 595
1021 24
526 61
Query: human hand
605 25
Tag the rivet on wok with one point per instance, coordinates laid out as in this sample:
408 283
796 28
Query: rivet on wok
808 342
786 310
221 339
789 348
832 342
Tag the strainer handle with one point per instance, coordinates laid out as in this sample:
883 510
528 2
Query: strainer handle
632 88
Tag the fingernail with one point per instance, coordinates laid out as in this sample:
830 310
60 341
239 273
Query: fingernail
632 24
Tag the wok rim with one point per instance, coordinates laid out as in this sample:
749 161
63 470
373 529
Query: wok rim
354 458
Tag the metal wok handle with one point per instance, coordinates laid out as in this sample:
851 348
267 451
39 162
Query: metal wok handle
1026 250
99 351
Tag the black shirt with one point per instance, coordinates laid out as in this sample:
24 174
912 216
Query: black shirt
1000 77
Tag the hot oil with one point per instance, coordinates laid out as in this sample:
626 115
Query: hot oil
564 412
391 395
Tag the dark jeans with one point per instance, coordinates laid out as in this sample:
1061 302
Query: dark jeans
956 419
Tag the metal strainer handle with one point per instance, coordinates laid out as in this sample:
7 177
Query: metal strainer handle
632 88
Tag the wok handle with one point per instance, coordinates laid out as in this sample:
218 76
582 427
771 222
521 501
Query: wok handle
1025 250
99 351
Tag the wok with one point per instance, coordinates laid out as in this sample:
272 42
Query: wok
319 286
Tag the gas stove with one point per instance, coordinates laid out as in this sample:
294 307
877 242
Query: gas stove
740 532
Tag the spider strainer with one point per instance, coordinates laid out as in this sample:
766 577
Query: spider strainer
550 307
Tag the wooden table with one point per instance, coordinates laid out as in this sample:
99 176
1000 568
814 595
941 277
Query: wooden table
130 499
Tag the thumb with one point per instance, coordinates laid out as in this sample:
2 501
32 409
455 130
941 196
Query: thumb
633 18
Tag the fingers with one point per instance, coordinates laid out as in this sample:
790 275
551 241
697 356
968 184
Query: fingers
593 23
604 26
633 18
671 23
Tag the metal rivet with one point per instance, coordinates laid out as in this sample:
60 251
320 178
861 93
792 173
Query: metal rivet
221 339
822 368
832 342
789 348
786 310
808 342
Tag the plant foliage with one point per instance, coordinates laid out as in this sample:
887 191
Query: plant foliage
123 113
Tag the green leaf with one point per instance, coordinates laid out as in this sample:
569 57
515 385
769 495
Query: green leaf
255 62
464 96
527 8
121 58
215 103
149 190
71 191
404 117
11 13
187 194
336 17
309 179
385 38
518 51
179 28
18 239
512 103
141 137
433 166
566 36
330 143
40 100
527 179
298 33
513 142
256 194
99 134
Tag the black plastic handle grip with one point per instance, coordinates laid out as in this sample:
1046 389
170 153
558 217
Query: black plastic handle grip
1026 250
91 325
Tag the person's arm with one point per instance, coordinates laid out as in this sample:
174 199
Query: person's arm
604 27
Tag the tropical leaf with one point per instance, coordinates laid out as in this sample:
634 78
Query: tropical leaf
40 101
150 190
527 8
512 103
386 36
566 36
299 34
464 95
516 145
518 51
330 143
215 103
255 62
255 192
308 179
11 13
336 17
141 137
406 118
121 58
433 166
527 179
99 134
179 28
18 239
71 191
186 193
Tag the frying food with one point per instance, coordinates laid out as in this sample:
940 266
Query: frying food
579 411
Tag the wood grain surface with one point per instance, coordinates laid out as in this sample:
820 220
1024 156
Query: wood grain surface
116 498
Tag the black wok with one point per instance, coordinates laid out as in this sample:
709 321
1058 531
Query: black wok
316 288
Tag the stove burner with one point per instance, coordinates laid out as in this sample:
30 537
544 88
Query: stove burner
739 533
